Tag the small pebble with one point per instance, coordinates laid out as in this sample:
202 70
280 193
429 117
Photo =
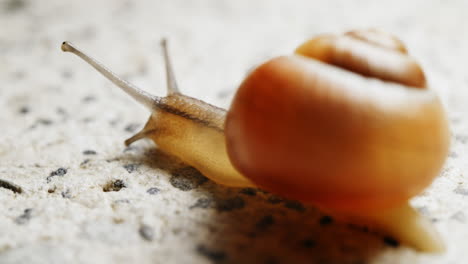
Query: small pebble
114 186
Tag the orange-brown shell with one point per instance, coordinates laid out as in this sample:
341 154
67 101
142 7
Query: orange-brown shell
344 139
370 53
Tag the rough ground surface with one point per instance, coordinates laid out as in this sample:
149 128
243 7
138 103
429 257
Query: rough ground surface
71 192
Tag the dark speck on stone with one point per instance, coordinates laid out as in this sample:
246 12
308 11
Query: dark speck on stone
273 199
114 122
130 167
423 210
132 127
225 93
24 110
459 216
84 162
249 191
390 241
14 5
87 120
10 186
461 190
59 172
24 218
61 111
325 220
202 203
360 228
89 152
146 232
122 201
308 243
153 190
265 222
461 138
44 121
230 204
88 99
295 205
66 194
272 260
130 148
187 178
67 74
19 75
114 186
213 255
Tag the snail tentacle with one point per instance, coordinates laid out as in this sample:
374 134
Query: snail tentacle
146 99
172 87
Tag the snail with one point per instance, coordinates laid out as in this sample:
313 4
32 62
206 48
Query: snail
347 123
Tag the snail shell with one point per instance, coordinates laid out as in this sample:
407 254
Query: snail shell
336 126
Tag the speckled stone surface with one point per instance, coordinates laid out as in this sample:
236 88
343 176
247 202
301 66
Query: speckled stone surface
70 192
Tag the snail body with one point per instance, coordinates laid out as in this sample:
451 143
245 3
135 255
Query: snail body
346 124
185 127
193 131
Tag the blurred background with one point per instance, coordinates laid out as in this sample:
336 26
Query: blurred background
85 198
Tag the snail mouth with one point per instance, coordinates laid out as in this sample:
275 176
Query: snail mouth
366 57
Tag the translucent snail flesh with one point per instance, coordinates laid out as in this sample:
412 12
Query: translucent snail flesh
346 124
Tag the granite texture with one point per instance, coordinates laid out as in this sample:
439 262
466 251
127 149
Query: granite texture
71 192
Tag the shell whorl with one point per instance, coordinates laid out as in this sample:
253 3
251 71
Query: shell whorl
370 53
